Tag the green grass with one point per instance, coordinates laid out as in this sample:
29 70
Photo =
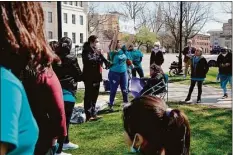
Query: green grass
210 78
211 131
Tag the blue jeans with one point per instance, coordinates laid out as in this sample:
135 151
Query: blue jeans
115 79
224 79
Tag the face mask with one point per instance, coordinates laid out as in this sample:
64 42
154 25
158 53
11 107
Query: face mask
156 47
224 54
132 149
98 45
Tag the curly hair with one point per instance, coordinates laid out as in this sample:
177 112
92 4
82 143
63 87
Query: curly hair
22 35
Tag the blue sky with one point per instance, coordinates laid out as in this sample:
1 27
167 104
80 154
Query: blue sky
216 10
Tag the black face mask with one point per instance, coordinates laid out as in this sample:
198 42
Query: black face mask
130 49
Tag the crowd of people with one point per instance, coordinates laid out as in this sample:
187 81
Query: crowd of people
39 83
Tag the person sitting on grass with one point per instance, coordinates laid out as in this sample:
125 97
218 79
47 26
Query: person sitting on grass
199 69
151 128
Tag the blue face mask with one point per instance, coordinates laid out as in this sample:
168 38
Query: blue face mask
132 149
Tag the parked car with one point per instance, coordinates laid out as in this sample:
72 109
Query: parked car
211 60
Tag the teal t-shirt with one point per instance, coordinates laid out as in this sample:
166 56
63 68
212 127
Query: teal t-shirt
136 57
119 61
18 126
68 96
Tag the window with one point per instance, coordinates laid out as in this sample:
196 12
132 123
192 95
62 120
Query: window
81 38
65 18
50 17
76 3
73 19
50 35
71 3
65 2
74 38
81 20
81 4
65 34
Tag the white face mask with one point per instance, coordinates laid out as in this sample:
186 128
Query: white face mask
97 45
224 54
132 149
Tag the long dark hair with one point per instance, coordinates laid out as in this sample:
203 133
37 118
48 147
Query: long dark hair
90 40
22 36
161 129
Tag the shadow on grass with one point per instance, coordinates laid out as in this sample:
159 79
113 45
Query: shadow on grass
106 111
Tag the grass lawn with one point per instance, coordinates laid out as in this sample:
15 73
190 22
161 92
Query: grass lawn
210 78
211 132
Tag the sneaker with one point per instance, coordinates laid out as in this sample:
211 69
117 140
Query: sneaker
63 153
70 146
225 96
187 99
199 101
110 109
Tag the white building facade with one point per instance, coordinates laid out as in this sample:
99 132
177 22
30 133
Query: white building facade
74 21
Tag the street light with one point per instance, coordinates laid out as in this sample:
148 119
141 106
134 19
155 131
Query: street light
180 52
59 20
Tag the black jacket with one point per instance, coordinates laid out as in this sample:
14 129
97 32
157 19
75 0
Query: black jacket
223 60
201 69
92 63
68 73
156 58
186 50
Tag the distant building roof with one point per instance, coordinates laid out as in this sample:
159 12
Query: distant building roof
214 30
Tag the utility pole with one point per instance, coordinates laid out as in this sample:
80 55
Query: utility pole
59 20
180 52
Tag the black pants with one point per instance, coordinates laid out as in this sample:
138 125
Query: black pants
199 85
139 71
90 98
69 106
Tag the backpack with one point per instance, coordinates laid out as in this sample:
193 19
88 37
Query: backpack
78 115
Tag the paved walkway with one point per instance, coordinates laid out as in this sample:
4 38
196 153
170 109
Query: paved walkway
176 92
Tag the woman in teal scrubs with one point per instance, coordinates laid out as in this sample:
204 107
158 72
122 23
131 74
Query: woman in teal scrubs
22 40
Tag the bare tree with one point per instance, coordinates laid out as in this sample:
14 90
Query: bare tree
171 13
196 14
94 18
133 9
227 7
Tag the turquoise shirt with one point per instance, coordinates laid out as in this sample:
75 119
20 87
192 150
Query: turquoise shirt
68 96
195 60
18 126
136 57
119 61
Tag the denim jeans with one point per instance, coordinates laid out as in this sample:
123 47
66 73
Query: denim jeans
115 79
224 79
139 71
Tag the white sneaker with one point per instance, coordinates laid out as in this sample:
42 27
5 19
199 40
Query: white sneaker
63 153
70 146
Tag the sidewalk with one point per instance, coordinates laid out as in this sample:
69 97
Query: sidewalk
176 92
210 95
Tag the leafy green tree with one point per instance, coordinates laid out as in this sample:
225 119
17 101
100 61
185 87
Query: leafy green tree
145 38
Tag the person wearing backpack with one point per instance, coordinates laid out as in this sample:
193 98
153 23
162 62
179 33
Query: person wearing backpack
118 75
69 74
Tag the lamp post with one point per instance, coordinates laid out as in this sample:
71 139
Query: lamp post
180 52
59 20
